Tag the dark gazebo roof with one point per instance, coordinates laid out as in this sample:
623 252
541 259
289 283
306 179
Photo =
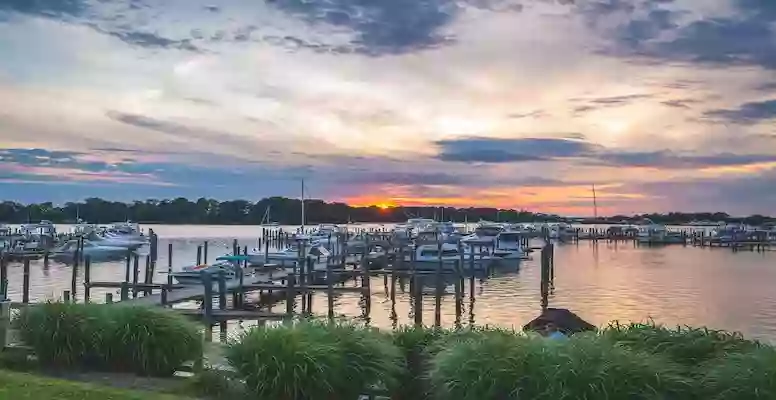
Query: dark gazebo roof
565 320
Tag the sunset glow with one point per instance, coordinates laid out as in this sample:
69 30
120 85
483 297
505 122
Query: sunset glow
438 103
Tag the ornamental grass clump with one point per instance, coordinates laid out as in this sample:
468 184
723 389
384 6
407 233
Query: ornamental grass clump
747 375
150 341
412 342
500 366
64 335
684 345
312 360
96 337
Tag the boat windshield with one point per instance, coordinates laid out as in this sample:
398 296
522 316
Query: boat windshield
509 237
487 231
435 253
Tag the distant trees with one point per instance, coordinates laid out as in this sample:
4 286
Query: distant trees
288 211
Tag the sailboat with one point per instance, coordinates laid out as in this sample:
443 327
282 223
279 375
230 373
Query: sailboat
266 220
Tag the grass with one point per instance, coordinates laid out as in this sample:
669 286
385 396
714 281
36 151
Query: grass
146 341
19 386
684 345
313 360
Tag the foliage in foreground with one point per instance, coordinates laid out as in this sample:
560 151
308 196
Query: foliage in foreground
147 341
321 361
18 386
497 366
687 346
748 375
312 360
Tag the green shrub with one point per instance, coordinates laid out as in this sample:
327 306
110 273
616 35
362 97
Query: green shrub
150 341
288 362
312 361
143 340
413 343
371 359
748 375
495 365
684 345
64 335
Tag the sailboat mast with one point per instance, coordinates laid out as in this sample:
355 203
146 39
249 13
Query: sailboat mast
303 207
595 204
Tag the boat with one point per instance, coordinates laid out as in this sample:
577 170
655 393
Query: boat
658 234
95 251
509 247
428 257
484 234
290 255
228 265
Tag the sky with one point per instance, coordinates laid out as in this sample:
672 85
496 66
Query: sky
662 105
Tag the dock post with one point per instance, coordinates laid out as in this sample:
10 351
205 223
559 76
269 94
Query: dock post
330 290
310 280
290 296
199 255
169 263
4 275
108 298
135 275
207 299
74 276
438 287
5 321
124 291
87 278
148 275
221 290
128 266
164 295
204 252
26 282
418 299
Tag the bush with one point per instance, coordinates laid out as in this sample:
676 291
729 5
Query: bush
749 375
312 360
495 365
684 345
64 335
413 342
143 340
150 341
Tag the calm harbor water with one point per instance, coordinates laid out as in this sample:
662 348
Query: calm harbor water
601 282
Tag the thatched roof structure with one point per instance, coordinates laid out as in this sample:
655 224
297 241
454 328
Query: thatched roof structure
563 319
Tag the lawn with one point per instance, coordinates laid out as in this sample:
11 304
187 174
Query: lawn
17 386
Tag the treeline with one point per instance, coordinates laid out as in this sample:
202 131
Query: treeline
282 210
287 211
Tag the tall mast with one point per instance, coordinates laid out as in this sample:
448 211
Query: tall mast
303 206
595 204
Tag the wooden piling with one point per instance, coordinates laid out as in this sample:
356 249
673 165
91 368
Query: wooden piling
204 252
87 278
135 275
199 255
169 263
26 282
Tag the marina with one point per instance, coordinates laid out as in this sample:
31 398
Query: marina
381 286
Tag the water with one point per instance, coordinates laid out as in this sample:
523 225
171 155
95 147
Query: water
601 282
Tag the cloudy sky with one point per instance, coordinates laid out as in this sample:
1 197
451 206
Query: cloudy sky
661 104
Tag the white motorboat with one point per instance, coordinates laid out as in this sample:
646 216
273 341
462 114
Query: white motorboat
484 234
289 256
427 257
508 245
96 252
228 265
658 234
